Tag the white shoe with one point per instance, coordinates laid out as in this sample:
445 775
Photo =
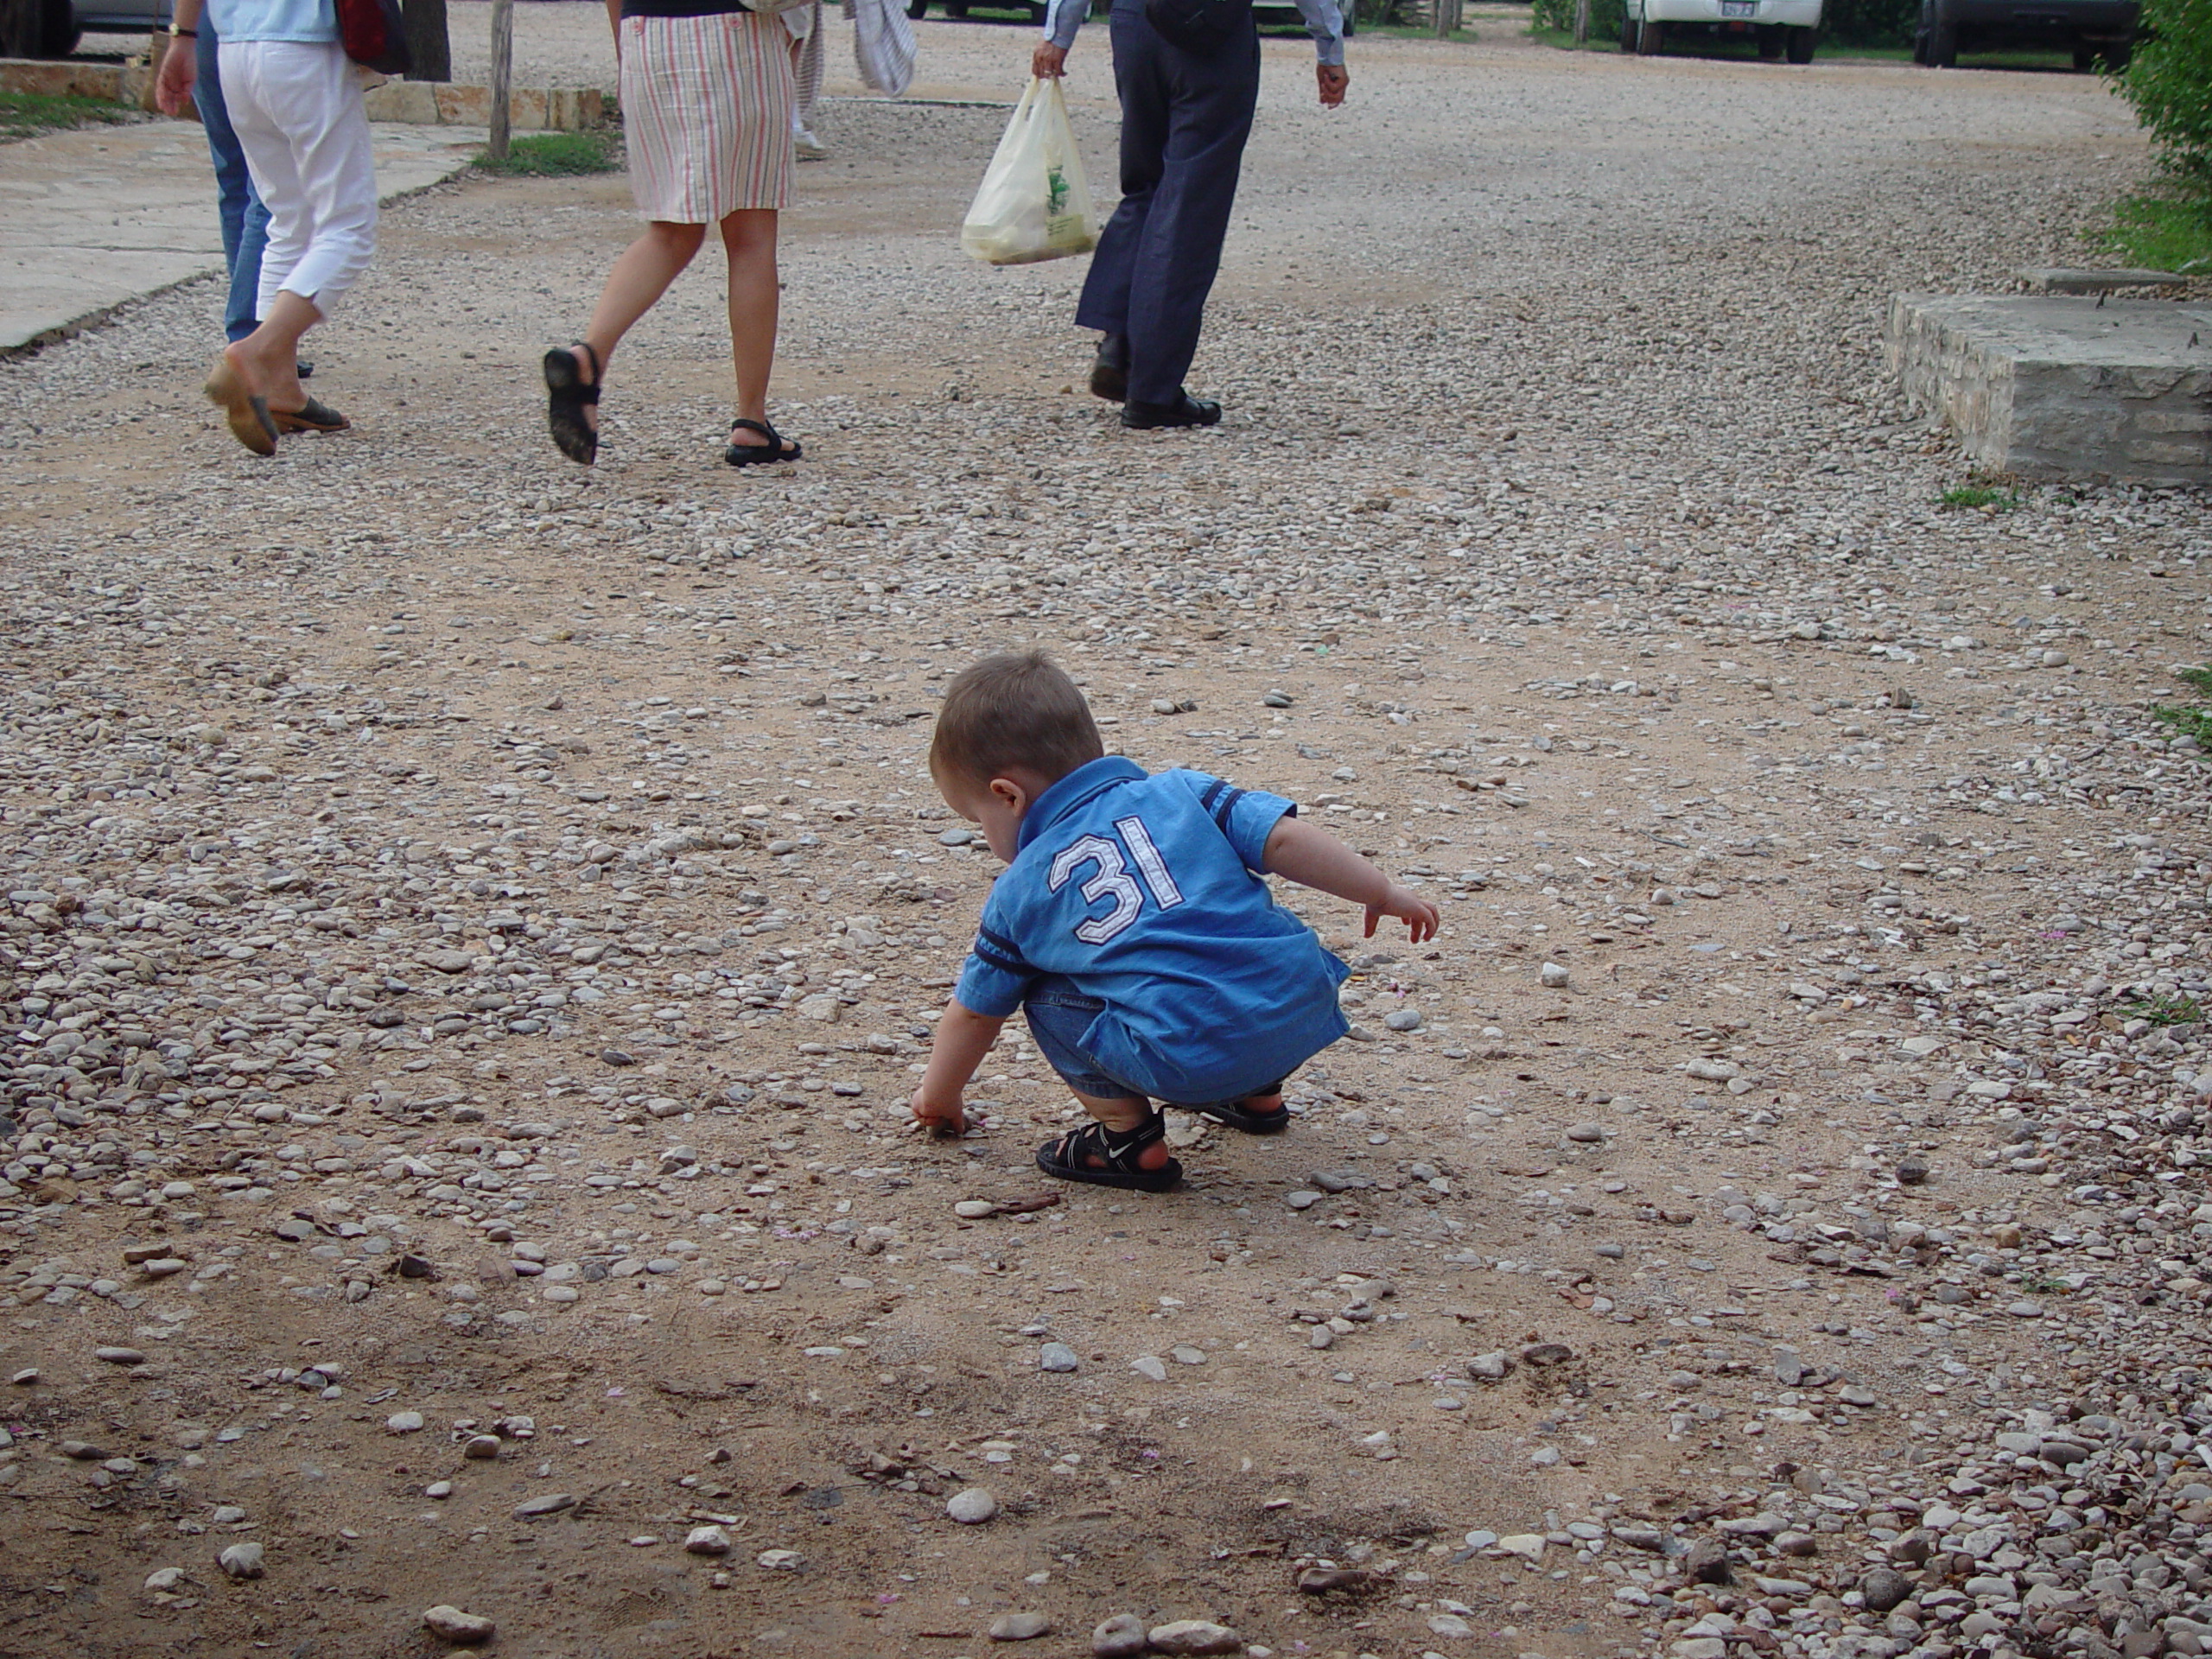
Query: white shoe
810 148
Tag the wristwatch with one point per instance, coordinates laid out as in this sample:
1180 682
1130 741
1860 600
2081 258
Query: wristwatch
176 33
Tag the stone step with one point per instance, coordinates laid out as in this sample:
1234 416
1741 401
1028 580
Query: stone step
2059 388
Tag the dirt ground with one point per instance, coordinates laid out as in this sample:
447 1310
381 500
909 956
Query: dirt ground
473 923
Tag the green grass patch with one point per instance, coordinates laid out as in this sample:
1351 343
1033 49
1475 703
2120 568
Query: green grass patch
2188 719
24 114
558 155
2166 1011
2168 231
1980 495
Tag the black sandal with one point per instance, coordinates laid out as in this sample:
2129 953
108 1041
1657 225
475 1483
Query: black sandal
1232 1113
758 454
313 416
569 394
1067 1157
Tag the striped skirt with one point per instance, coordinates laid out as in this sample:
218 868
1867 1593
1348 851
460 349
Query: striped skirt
707 114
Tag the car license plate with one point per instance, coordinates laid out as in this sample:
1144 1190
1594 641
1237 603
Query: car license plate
1738 8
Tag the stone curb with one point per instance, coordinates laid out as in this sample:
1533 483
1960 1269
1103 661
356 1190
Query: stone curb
413 103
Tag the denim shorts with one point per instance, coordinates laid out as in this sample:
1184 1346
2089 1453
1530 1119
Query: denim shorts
1060 1017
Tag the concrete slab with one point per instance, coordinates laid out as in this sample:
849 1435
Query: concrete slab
2062 389
92 219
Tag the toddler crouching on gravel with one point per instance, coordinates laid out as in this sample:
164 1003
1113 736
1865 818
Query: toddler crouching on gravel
1133 927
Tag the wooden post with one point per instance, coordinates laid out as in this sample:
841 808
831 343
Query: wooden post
1442 19
503 64
428 44
1581 23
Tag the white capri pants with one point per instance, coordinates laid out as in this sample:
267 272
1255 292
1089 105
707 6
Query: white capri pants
296 108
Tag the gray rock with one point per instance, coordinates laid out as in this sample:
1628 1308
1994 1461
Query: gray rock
972 1507
1058 1356
450 1624
1150 1366
242 1560
1883 1588
1019 1627
707 1540
1121 1636
1708 1563
403 1422
1194 1636
1403 1020
552 1503
119 1356
1555 975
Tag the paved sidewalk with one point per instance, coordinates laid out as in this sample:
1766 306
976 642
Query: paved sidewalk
93 217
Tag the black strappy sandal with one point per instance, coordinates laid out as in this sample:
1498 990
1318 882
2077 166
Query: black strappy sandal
759 454
1067 1157
1232 1113
568 395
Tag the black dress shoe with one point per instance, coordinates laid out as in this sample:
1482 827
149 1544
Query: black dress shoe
1109 373
1185 410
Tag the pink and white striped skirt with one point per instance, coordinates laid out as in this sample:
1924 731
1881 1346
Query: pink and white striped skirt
707 114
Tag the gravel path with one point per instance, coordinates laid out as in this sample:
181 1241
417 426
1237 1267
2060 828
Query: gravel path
472 925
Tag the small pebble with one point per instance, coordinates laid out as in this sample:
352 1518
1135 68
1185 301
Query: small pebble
972 1507
451 1625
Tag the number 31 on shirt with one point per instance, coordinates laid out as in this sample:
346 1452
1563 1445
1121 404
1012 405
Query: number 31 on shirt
1111 879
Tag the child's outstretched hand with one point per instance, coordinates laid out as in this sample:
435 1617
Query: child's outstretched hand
1420 918
939 1117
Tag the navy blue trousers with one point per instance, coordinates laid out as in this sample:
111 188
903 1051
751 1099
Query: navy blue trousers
1184 119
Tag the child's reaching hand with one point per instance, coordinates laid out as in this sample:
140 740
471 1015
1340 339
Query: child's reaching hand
1420 918
938 1116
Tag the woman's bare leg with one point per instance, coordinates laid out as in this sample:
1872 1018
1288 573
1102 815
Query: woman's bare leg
749 238
640 276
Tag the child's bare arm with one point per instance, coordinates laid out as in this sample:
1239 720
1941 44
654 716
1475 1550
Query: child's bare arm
964 1037
1299 852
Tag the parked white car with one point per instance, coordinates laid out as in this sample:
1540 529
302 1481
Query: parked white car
1783 27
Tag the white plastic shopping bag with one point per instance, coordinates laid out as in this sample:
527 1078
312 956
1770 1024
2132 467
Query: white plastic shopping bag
1034 203
883 44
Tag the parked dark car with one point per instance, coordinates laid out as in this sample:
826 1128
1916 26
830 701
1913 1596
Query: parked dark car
2090 29
51 28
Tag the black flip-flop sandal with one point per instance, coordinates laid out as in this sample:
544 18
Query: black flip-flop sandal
1066 1159
313 416
248 415
1232 1113
568 395
760 454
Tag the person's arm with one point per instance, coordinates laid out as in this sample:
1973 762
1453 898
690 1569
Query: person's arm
615 23
964 1037
1314 858
1325 22
179 67
1062 19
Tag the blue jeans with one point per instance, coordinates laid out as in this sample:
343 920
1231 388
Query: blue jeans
245 222
1184 118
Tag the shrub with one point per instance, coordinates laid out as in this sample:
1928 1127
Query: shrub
2168 80
1871 22
1605 17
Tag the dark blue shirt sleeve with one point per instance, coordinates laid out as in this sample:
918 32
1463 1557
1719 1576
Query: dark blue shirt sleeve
1247 816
